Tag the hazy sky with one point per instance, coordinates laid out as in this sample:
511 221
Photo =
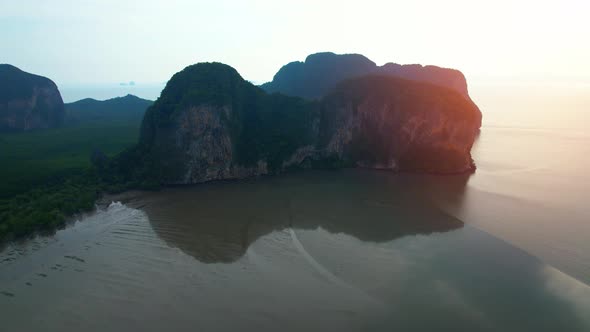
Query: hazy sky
77 41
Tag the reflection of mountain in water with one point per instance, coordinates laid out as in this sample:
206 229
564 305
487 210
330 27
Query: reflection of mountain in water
218 222
285 274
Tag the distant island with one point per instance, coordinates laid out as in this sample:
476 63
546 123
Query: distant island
127 108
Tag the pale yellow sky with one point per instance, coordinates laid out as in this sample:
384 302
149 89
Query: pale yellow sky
75 41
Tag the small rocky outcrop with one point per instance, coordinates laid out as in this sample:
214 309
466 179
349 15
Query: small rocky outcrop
28 101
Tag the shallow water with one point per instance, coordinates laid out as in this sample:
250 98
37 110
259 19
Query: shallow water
348 250
532 184
531 189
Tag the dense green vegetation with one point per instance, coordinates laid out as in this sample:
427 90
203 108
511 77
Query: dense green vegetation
274 128
46 207
47 175
31 159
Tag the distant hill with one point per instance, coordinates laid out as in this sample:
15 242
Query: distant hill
321 72
127 108
28 101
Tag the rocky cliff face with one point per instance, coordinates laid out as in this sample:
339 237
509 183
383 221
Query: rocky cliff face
389 123
210 124
321 72
204 141
28 101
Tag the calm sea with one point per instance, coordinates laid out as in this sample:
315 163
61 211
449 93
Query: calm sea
532 184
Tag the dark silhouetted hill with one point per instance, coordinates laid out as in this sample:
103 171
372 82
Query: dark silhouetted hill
28 101
128 108
321 72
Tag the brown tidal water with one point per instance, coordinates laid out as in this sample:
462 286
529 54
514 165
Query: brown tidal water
344 250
